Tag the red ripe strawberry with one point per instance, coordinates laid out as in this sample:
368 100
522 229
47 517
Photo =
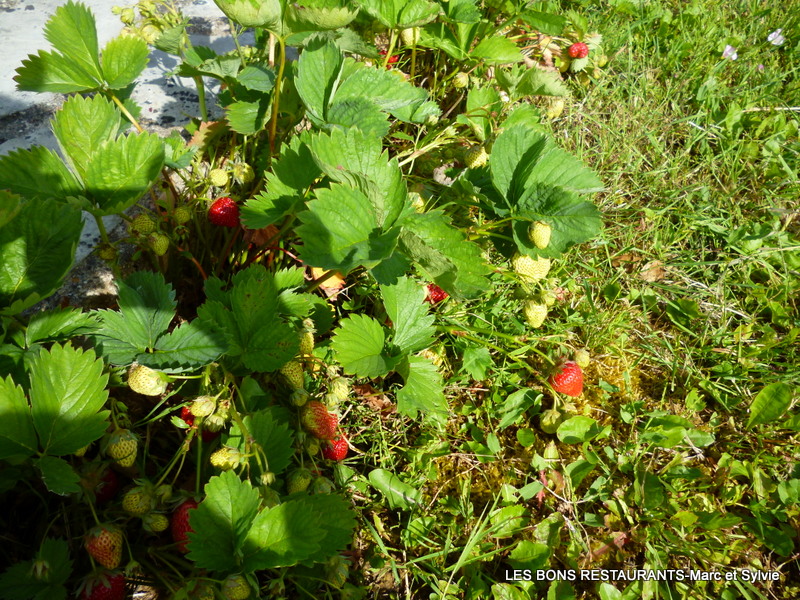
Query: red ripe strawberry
180 524
188 418
435 294
578 50
106 586
318 421
392 59
224 212
567 379
336 449
104 544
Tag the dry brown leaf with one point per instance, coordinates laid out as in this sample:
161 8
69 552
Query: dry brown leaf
653 271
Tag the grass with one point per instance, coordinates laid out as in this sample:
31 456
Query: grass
688 307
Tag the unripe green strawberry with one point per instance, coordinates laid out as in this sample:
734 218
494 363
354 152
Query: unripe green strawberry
235 587
410 36
107 252
582 358
182 214
143 224
539 234
306 343
155 522
159 243
530 269
554 108
122 447
226 458
549 420
293 372
551 453
104 544
461 80
331 401
476 157
218 177
313 446
298 481
535 313
318 421
243 172
137 502
339 387
202 406
146 381
299 397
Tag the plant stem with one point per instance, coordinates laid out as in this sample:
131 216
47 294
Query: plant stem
201 97
276 100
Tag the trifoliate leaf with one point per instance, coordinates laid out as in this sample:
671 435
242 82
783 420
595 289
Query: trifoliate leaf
358 344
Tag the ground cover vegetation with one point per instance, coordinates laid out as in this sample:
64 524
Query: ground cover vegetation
467 288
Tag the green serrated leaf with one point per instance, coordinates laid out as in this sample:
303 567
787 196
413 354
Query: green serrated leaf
186 348
358 344
122 171
272 434
358 159
444 254
37 174
318 71
34 258
258 77
58 475
82 126
495 50
17 434
357 112
400 14
68 389
221 523
477 362
52 72
59 325
548 23
338 525
283 536
536 82
399 494
770 404
423 389
10 205
124 59
248 118
72 32
341 232
406 307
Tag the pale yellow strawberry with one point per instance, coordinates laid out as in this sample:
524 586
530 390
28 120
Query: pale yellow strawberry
535 313
530 269
122 447
539 234
476 157
147 381
218 177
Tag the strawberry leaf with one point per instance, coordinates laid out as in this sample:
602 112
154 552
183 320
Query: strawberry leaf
271 433
10 205
422 391
121 171
52 72
68 389
59 325
82 126
496 49
146 308
360 113
33 258
283 536
73 32
248 118
37 173
17 434
340 231
20 581
406 307
358 344
221 523
58 475
124 58
186 347
338 525
400 14
318 72
449 260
